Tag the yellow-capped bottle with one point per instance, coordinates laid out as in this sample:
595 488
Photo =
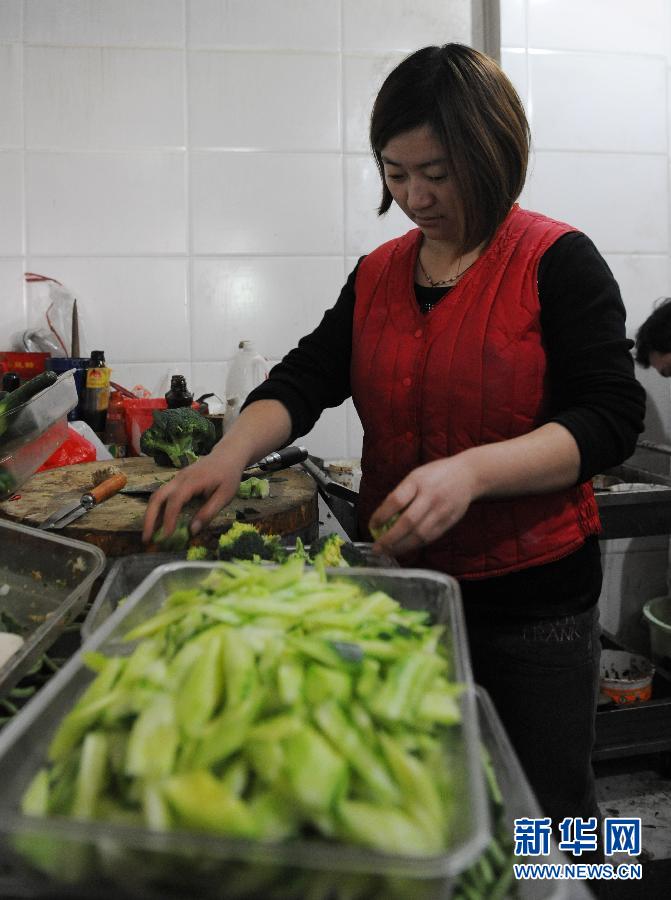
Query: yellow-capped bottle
96 392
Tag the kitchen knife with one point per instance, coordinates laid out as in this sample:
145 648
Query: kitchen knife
279 459
325 483
87 501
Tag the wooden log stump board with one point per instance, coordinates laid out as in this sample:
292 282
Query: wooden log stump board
116 525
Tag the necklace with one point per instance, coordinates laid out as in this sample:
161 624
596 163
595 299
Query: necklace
444 282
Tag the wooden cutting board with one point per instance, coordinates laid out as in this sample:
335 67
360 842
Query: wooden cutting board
116 525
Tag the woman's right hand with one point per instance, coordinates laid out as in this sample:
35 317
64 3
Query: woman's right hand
215 477
261 427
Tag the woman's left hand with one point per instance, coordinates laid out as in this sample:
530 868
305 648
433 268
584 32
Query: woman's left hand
429 501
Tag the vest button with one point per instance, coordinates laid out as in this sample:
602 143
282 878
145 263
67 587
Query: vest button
419 333
409 436
407 382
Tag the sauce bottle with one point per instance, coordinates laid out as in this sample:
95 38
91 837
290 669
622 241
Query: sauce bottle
96 392
179 394
116 439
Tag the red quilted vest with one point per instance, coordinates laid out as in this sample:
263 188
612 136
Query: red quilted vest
471 371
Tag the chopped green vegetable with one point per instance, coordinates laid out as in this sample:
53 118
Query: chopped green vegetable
254 487
384 528
175 542
267 703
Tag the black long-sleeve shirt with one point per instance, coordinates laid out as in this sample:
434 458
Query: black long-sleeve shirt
593 393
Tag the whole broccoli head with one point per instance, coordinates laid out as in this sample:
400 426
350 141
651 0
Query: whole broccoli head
177 437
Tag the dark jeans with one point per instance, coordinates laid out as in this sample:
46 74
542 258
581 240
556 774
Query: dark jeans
542 676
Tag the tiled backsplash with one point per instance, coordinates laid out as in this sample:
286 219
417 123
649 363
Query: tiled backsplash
197 171
594 79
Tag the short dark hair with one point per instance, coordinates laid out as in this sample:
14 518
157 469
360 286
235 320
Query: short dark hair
476 114
654 334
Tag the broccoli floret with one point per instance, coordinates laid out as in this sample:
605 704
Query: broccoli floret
197 552
327 550
178 540
177 437
254 487
245 541
299 551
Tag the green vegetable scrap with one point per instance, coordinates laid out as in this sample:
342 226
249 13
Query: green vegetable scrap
175 542
253 487
197 552
266 702
177 437
384 528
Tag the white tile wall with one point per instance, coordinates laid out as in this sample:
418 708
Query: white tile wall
265 24
248 100
610 26
194 167
11 134
620 200
10 20
596 77
611 114
101 23
384 26
11 203
105 203
103 97
264 203
274 300
12 302
196 171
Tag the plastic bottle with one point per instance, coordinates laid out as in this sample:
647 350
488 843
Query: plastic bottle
96 392
115 438
246 371
179 394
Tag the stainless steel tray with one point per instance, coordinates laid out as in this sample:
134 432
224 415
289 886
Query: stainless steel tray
36 429
126 573
112 860
49 579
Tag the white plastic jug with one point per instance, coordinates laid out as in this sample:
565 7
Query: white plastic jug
246 371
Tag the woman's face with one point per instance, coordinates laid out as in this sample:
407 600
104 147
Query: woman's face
418 178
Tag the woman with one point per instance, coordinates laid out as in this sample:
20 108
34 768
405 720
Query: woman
486 354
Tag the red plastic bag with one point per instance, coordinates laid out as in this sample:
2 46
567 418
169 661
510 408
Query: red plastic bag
75 449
